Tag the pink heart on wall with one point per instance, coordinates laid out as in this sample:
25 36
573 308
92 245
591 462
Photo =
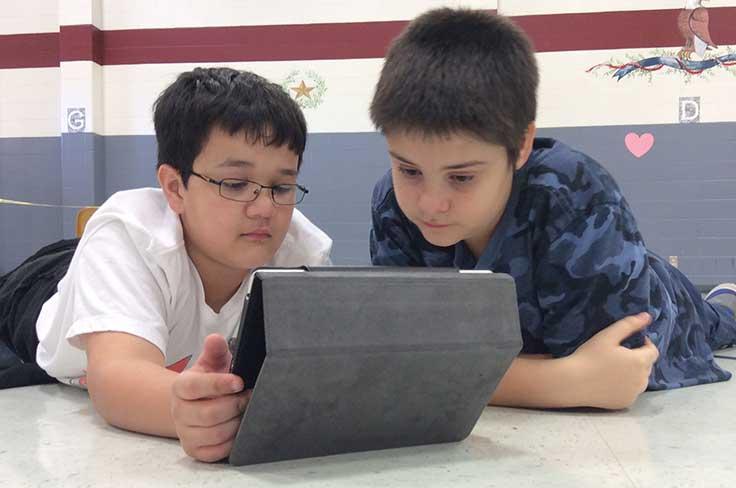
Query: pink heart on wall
639 145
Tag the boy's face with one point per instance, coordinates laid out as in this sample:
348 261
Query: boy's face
224 235
454 188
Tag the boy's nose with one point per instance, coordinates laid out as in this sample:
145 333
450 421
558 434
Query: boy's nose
433 203
262 206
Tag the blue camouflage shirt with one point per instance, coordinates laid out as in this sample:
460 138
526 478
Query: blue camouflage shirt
570 241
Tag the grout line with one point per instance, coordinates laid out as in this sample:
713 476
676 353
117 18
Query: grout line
618 461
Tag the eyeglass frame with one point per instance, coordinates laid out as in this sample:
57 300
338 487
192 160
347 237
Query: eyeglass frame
257 193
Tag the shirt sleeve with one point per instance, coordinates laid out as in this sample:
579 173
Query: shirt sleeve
114 289
594 273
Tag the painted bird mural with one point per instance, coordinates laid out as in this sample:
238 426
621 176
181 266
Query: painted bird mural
693 25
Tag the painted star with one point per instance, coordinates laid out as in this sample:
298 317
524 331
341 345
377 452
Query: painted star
302 90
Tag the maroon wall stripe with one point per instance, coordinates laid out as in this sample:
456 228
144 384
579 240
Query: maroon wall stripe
29 50
250 43
607 30
620 30
557 32
81 43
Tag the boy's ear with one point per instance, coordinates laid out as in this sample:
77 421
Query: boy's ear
527 145
171 183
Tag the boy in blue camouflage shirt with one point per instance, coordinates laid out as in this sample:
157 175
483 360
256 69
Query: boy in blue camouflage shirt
471 187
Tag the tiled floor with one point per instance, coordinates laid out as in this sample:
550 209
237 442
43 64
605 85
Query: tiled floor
50 436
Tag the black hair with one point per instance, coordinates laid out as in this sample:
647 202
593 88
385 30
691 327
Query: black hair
459 70
235 101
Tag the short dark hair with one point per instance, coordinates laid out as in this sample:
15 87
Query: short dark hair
459 70
235 101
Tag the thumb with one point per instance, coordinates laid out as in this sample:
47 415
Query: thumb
215 357
622 329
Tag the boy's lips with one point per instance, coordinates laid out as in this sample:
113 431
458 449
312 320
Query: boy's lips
434 226
258 234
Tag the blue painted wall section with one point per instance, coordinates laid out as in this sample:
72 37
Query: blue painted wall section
29 170
683 190
82 174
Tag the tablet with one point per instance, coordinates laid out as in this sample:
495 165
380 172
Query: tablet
356 359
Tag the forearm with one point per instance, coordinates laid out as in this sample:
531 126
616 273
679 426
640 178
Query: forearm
540 382
133 394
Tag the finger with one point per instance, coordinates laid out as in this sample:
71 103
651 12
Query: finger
622 329
199 439
209 412
212 454
192 385
215 357
649 351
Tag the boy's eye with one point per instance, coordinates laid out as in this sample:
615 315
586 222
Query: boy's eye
409 172
235 185
462 179
283 189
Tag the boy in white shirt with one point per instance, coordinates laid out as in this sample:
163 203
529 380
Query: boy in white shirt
157 282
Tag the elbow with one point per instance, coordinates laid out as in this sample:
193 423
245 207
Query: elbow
101 394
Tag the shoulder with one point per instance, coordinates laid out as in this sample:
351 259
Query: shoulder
383 193
143 215
560 184
134 230
384 206
570 175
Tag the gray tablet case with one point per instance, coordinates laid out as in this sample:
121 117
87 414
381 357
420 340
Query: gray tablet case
356 359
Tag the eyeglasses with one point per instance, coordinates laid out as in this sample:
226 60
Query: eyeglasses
247 190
